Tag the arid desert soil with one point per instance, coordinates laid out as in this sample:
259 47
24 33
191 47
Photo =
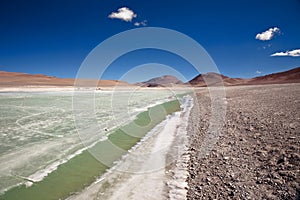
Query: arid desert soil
257 155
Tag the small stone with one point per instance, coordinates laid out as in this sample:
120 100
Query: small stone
292 125
198 188
282 159
278 181
231 194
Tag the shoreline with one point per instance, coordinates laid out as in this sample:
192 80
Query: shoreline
177 171
79 89
137 183
43 172
56 171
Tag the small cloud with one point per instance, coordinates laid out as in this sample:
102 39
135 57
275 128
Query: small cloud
142 23
124 14
258 72
280 54
268 34
293 53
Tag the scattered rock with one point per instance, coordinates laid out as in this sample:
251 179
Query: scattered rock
257 154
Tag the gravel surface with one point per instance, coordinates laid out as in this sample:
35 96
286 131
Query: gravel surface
257 154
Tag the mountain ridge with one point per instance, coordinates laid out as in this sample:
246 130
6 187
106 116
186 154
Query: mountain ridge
16 79
161 81
215 79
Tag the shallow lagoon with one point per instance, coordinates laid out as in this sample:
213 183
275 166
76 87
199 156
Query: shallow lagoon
38 129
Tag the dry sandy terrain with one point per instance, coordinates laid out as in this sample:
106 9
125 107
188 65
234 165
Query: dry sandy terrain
22 80
257 155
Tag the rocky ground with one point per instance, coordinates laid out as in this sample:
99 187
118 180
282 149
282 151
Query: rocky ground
257 154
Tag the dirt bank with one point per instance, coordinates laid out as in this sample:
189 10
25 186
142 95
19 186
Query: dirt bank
257 155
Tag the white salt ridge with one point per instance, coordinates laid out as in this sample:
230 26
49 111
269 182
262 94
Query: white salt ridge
28 184
146 185
40 175
118 163
152 105
147 180
178 185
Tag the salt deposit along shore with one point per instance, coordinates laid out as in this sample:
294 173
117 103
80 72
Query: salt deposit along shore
145 173
74 88
36 89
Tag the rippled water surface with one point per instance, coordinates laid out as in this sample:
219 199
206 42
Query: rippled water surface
37 129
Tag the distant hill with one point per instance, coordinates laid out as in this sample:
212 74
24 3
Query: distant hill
214 79
15 79
290 76
166 80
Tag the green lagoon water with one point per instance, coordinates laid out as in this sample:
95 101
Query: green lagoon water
81 170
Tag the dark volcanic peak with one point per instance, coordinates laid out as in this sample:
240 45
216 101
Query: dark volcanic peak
208 76
163 80
213 79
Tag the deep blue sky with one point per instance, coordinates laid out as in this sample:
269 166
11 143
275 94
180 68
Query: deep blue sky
53 37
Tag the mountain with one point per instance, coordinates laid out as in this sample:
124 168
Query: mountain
214 79
290 76
166 80
15 79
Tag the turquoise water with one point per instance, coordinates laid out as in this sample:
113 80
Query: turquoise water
38 129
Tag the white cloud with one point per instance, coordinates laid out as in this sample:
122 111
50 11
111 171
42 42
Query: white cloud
142 23
258 72
293 53
280 54
124 14
268 34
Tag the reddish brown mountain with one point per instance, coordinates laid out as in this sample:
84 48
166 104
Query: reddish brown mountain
14 79
290 76
214 79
